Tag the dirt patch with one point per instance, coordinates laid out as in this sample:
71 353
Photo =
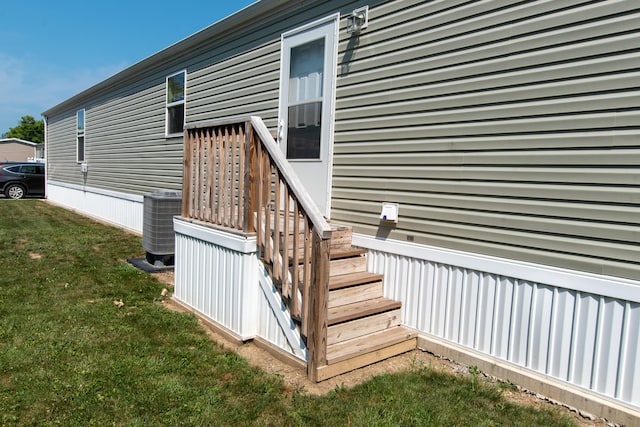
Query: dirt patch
21 244
35 255
295 378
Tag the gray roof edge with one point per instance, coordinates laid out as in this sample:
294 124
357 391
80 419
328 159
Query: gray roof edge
249 13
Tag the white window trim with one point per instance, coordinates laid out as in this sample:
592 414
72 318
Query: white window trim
173 104
81 133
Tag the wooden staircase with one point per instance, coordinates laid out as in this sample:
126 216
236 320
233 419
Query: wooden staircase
363 326
236 177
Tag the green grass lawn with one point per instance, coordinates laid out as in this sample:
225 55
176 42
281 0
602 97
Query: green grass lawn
69 356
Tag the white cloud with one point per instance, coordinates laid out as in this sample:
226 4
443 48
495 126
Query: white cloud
28 87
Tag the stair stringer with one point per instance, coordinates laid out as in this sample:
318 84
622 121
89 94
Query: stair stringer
278 313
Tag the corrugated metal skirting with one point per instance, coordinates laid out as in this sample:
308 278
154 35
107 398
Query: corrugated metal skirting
269 328
121 209
217 275
585 339
214 281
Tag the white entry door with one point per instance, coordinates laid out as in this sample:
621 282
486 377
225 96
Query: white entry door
307 102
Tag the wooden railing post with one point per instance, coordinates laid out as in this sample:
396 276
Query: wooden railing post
251 177
319 303
187 188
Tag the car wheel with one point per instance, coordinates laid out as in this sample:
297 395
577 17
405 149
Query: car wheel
14 191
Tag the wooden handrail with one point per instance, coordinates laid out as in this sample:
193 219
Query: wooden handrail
320 225
235 176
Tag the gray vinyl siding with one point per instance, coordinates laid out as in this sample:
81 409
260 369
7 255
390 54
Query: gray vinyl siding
501 128
125 144
247 84
61 148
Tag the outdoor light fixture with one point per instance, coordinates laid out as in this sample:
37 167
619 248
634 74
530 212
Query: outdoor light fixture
358 20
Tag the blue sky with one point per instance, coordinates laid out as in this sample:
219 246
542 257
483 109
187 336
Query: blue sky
51 50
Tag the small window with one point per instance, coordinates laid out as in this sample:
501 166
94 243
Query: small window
175 103
80 136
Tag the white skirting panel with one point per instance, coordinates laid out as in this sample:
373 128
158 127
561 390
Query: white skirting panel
218 275
121 209
270 328
276 324
559 327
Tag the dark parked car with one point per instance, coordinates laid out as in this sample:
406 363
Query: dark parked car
19 179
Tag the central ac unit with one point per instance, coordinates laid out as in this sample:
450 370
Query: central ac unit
158 238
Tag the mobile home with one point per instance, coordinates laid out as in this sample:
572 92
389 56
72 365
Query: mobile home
475 163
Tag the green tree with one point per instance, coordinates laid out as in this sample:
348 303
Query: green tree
29 129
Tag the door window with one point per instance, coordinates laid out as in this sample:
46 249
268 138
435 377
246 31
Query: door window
305 100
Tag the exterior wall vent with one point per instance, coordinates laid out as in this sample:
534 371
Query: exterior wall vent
158 238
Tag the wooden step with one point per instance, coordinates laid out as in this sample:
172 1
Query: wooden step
340 239
341 236
347 280
360 346
337 367
345 313
363 326
355 294
351 288
346 252
347 260
338 254
342 262
348 265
